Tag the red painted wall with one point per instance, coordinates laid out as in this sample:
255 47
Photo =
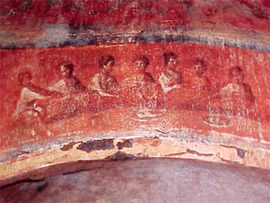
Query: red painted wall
178 115
139 14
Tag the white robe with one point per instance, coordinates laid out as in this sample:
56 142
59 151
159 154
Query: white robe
25 98
166 81
101 83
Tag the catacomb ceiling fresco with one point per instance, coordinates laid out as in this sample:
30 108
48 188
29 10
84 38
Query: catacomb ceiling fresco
73 71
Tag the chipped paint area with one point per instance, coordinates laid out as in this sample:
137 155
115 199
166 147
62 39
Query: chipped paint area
89 146
233 151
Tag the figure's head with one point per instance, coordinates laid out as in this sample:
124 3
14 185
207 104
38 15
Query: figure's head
236 74
25 78
170 60
66 70
140 63
200 67
107 63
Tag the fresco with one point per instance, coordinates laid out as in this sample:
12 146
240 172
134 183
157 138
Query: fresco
57 23
86 68
245 14
165 87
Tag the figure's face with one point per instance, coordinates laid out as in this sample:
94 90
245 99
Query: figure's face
238 77
139 65
109 66
65 71
172 63
199 69
26 80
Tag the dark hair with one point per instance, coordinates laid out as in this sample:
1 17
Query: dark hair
104 60
201 62
70 66
235 68
142 58
22 75
167 56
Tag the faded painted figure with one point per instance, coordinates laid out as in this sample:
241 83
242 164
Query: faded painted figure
29 114
237 95
69 84
104 87
71 98
171 77
233 99
200 87
104 83
139 88
200 82
26 105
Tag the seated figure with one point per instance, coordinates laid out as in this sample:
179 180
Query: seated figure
235 98
139 87
200 81
236 95
70 101
139 76
170 78
69 84
26 105
141 91
103 82
199 85
29 114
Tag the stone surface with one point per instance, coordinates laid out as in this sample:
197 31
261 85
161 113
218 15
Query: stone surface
141 181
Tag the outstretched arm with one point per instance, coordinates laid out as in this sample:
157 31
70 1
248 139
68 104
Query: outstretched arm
44 92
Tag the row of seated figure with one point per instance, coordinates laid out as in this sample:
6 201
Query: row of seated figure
70 97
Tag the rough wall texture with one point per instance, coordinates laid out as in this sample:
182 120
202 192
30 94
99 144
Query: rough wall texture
154 181
93 80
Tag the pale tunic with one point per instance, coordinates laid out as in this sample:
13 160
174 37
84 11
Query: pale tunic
25 98
136 80
231 90
72 99
68 87
140 89
104 84
60 86
168 83
234 95
133 85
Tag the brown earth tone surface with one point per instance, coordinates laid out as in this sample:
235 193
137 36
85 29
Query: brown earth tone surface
157 181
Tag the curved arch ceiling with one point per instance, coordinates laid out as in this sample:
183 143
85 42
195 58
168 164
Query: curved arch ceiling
89 80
